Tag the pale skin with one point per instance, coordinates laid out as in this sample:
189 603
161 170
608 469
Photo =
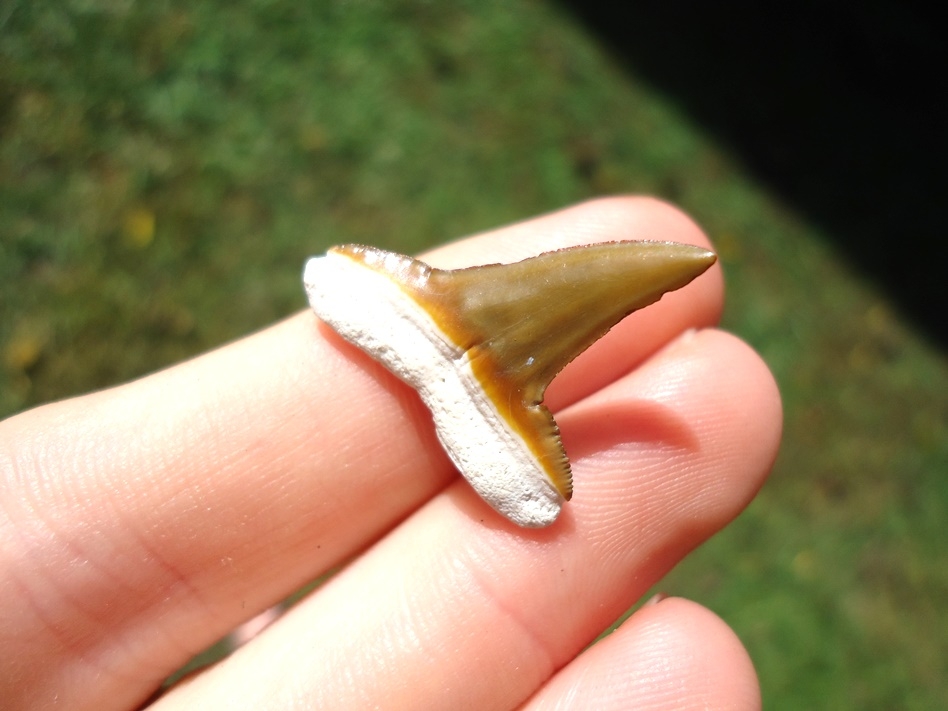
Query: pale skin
142 523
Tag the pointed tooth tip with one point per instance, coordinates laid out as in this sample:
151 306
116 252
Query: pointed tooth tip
674 264
706 258
707 255
691 258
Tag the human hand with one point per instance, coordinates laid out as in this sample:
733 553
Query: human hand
140 524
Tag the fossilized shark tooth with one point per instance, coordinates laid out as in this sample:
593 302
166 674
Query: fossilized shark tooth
480 345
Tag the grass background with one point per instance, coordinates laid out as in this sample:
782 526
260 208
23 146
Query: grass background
166 167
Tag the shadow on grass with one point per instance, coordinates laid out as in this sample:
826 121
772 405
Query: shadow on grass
827 105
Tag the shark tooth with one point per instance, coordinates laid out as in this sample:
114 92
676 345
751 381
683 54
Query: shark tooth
481 345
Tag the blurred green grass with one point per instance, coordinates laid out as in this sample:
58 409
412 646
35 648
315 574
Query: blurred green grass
165 169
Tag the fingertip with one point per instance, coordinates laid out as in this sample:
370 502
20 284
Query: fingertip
706 399
733 395
672 654
748 380
681 640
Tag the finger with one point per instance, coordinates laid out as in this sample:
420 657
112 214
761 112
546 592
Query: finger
459 609
188 501
671 655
